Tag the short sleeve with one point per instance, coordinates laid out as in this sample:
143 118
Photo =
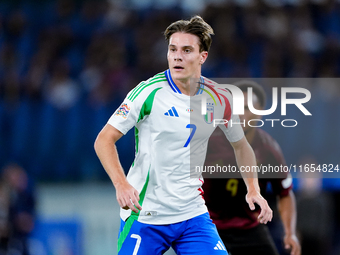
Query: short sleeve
232 129
281 187
126 116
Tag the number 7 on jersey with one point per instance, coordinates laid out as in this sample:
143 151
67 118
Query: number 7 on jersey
191 134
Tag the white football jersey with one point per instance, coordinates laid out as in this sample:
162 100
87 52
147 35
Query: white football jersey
171 140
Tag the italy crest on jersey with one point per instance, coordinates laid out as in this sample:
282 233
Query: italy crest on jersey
209 116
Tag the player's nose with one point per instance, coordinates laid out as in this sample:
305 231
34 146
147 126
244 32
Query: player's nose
178 56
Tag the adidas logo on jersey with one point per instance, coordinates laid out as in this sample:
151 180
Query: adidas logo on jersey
219 246
150 213
172 112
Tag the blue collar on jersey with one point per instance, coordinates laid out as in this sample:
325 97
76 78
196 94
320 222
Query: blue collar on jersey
176 89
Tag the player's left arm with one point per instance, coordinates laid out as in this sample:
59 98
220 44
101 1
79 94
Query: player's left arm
287 210
286 202
245 157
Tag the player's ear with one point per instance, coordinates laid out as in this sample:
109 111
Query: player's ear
204 55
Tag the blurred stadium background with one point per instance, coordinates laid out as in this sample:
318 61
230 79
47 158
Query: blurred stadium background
65 66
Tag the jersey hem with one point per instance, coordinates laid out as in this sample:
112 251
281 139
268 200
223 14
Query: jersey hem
161 220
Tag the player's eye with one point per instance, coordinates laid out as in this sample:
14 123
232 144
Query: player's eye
172 49
187 50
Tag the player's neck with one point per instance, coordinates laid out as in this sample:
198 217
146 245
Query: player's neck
187 87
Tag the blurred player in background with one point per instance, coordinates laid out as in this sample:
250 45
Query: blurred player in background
4 216
174 213
237 225
19 190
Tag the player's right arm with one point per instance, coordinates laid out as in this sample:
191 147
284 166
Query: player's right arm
105 147
245 157
287 210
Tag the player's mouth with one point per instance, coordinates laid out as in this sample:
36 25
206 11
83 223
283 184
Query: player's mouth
178 67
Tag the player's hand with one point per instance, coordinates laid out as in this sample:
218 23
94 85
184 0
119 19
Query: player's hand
291 243
128 197
255 197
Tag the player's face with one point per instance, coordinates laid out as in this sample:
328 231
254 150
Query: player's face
184 57
248 115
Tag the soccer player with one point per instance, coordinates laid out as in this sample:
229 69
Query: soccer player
238 226
161 202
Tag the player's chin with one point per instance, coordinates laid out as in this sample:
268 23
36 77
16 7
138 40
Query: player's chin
178 73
